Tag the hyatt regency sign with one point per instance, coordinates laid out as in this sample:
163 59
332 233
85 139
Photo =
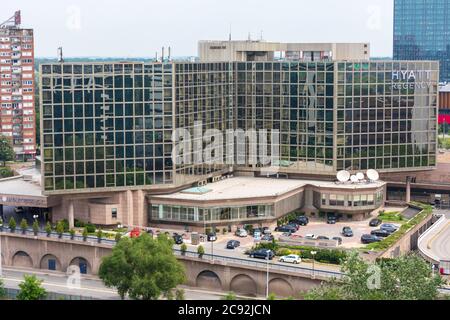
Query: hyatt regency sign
411 79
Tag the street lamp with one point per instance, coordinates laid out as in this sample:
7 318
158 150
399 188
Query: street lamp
267 274
313 253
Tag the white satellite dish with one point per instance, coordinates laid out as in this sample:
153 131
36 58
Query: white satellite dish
343 176
354 179
360 176
373 175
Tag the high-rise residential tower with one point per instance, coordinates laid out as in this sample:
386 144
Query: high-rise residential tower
17 110
422 32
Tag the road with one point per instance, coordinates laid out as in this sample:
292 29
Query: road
435 243
90 287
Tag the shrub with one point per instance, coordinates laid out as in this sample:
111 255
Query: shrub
183 248
200 251
229 296
79 223
65 224
85 234
224 230
72 233
283 252
60 228
179 294
35 227
118 236
208 230
99 234
12 224
90 228
48 228
23 225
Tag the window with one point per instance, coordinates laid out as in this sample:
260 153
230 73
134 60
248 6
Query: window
114 213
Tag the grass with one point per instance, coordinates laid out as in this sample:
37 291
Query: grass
394 216
444 143
386 243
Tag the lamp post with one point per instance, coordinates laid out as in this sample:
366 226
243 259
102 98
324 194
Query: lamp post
313 253
267 274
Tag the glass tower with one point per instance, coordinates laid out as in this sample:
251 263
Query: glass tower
422 32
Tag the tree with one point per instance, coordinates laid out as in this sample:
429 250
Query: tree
85 233
6 150
31 289
118 236
179 294
60 228
142 267
12 224
48 228
405 278
229 296
200 251
35 227
2 290
23 225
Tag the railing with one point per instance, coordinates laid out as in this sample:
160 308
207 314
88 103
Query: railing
12 294
55 235
263 264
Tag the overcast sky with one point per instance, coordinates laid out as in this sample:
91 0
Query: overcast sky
137 28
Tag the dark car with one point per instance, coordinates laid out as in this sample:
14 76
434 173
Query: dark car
381 233
331 220
302 220
294 225
287 228
347 232
389 227
262 254
257 230
178 238
212 237
322 238
233 244
375 222
369 238
338 239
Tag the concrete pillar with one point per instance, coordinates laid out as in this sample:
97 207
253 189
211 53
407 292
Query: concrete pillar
408 191
71 217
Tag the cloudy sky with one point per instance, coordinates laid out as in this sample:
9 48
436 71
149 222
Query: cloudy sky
138 28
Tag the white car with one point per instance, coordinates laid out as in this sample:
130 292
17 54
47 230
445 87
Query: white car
242 233
292 258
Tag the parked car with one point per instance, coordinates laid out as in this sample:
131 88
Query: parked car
331 220
389 227
322 238
233 244
262 254
375 222
242 233
347 232
266 230
302 220
369 238
292 258
286 228
212 237
381 233
257 231
338 239
257 234
178 238
267 237
19 210
295 225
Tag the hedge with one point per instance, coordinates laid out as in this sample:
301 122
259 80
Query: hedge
386 243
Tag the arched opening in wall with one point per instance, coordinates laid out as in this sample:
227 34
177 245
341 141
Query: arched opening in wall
82 264
244 285
50 262
209 280
22 259
281 288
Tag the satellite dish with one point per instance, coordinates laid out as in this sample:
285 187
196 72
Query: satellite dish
343 176
354 179
360 176
373 175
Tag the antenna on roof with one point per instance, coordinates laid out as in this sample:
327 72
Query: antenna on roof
249 37
261 35
169 54
14 22
60 55
229 35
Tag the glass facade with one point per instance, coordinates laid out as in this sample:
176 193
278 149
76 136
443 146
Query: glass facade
109 125
422 32
363 200
210 215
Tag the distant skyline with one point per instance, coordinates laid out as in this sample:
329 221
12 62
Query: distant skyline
134 28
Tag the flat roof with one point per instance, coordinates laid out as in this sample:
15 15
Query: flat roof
256 187
17 186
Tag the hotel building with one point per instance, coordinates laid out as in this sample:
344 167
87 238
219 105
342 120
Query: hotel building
107 134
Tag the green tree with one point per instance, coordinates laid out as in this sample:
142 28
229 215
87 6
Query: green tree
60 228
183 249
229 296
200 251
31 289
6 150
179 294
405 278
12 224
23 225
85 233
142 267
35 227
118 236
48 228
272 296
2 290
